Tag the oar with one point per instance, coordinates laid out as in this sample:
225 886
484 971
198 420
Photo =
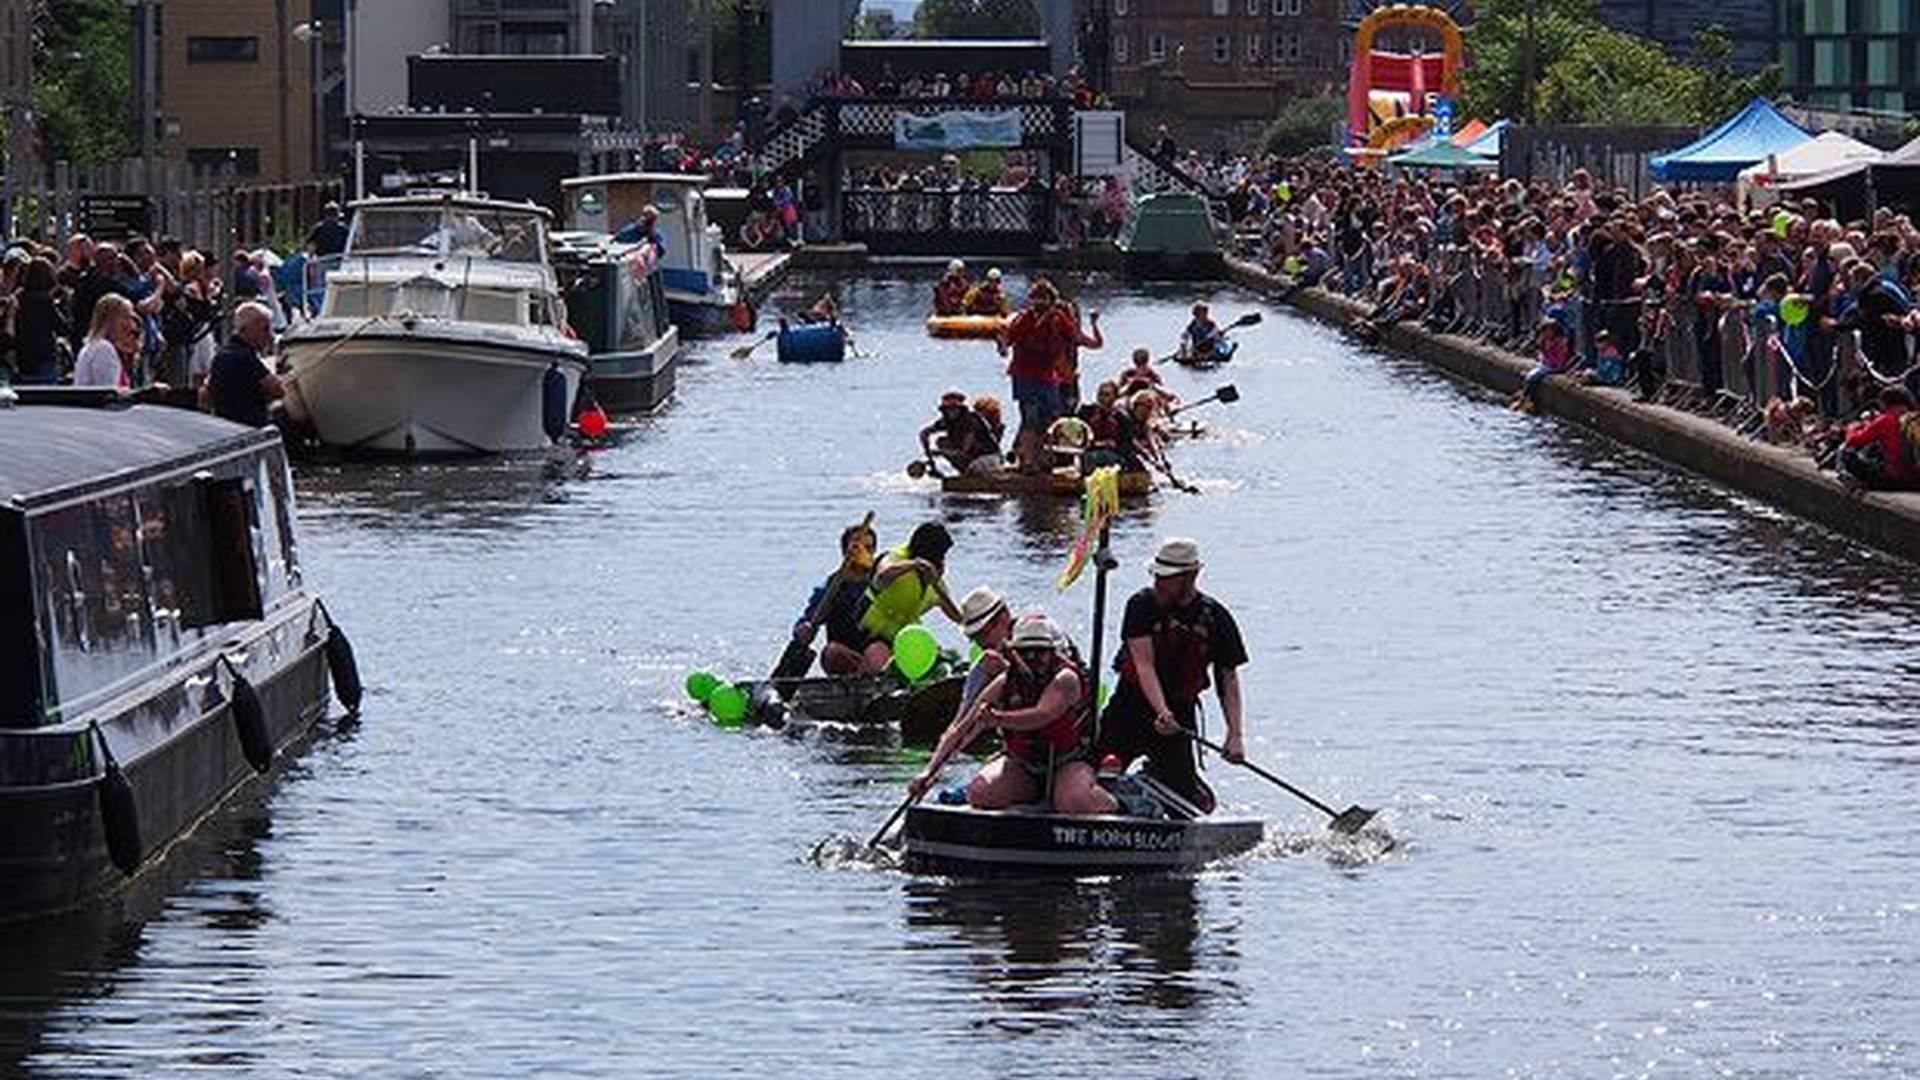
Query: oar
1349 821
1251 318
1226 395
797 657
1166 471
945 750
744 351
923 468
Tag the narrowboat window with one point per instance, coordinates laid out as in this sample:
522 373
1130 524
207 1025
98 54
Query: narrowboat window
349 301
95 591
202 549
235 572
280 482
489 306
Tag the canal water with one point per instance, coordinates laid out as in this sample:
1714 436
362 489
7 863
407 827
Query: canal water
1648 751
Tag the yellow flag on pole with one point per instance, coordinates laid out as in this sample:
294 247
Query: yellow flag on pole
1101 504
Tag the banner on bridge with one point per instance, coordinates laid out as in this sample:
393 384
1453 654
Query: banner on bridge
956 130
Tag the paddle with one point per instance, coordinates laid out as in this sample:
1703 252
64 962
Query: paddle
1251 318
797 657
744 351
1165 470
963 733
1349 821
924 468
1226 395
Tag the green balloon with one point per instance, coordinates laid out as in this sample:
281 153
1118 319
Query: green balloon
1106 691
701 685
728 704
915 651
1794 310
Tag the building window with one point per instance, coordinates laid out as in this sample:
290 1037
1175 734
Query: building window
1119 7
245 160
1830 62
1222 49
480 39
1790 63
1156 46
1253 7
1888 17
223 50
535 39
1122 52
1826 16
1222 7
1883 62
1890 101
1278 53
1279 7
1253 48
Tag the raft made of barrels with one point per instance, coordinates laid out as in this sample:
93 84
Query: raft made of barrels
1063 483
961 841
876 705
1218 355
965 326
813 343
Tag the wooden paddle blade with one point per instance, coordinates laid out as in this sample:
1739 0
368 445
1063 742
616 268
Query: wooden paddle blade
1351 820
794 661
1227 394
916 469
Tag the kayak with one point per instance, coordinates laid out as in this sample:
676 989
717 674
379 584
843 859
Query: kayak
815 343
958 840
1065 483
965 326
874 704
1220 354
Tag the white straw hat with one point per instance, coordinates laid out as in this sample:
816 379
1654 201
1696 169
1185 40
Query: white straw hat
979 609
1177 555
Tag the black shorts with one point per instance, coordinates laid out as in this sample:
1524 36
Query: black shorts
1126 730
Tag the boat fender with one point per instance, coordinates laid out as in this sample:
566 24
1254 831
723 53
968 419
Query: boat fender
250 723
344 669
743 316
119 813
553 402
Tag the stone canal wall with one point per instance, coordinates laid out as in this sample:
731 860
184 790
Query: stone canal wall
1786 478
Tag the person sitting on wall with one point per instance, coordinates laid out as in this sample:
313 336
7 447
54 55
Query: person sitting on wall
1877 451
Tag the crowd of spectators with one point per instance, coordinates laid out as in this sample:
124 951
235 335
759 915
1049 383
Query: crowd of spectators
1787 323
983 88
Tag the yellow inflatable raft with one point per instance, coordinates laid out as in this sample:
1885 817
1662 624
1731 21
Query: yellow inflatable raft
965 326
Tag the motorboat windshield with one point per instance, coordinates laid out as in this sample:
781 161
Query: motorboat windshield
453 230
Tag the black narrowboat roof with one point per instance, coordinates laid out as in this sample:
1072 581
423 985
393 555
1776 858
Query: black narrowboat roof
49 449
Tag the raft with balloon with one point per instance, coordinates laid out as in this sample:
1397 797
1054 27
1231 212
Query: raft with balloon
911 702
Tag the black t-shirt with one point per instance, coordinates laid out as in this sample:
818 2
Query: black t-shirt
1203 621
234 382
328 236
969 435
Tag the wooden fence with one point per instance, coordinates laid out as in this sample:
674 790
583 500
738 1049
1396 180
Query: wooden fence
211 210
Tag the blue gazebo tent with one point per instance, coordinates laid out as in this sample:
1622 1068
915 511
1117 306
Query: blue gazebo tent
1719 155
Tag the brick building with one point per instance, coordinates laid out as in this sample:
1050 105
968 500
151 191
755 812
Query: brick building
227 85
1219 69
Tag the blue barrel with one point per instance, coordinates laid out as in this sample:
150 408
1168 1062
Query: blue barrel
819 343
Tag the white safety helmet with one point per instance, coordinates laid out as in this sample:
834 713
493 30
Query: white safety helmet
956 266
1035 632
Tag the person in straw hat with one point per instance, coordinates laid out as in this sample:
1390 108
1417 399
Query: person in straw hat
1175 642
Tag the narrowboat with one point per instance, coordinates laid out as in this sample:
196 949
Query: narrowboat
159 643
960 841
704 292
617 304
1170 237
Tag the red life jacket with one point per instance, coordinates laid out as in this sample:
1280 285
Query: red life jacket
1067 732
1182 654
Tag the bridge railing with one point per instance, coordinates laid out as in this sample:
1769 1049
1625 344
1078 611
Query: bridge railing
867 123
965 222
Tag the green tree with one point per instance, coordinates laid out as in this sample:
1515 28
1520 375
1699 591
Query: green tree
1304 124
1588 73
83 81
976 19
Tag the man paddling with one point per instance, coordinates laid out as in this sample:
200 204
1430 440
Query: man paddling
950 292
1173 636
1040 703
838 603
907 583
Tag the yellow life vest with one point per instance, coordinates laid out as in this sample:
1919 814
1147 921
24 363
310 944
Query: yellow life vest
900 602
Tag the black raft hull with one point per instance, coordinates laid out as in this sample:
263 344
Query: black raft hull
961 841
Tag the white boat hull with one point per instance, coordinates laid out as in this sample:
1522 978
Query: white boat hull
393 391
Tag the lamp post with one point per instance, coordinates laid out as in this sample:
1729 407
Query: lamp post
313 33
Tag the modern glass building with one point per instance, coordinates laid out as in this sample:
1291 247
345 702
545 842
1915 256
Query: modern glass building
1857 54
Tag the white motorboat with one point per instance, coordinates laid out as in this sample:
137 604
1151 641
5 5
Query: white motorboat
442 332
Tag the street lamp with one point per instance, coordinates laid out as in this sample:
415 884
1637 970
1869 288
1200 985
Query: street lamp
313 33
